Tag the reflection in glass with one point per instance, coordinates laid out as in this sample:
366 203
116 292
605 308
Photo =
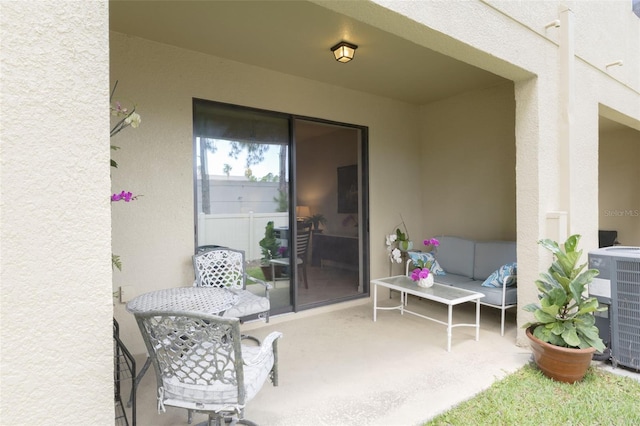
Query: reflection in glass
242 189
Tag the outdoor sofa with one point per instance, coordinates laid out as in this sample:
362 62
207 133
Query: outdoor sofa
487 267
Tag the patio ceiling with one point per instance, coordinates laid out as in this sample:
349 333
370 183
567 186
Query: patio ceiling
294 37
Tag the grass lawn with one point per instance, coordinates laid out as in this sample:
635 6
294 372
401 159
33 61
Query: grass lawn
527 397
255 272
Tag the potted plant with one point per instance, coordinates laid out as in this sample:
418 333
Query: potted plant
564 336
424 264
400 239
315 221
270 250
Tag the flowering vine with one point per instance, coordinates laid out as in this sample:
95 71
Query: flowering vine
126 118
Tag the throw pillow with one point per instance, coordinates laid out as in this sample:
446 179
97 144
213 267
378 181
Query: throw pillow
506 275
429 260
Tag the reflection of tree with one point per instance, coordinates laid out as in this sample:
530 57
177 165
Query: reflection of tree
283 201
248 173
255 154
282 188
205 145
269 177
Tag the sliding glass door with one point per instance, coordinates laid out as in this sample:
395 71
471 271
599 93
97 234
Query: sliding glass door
242 187
329 190
287 191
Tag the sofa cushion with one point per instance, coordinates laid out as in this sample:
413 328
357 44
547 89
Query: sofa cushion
505 275
492 296
454 280
429 261
489 256
455 255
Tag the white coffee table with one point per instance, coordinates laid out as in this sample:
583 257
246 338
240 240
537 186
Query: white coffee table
440 293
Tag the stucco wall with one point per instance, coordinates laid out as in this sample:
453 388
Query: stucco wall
619 194
154 234
55 269
469 165
605 31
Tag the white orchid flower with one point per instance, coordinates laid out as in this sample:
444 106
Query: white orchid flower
397 255
133 120
391 239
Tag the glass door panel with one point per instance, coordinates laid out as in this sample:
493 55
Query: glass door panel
329 193
242 188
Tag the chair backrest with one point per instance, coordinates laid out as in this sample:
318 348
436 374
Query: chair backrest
197 358
220 267
302 243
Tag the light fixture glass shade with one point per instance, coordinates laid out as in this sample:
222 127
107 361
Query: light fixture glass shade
344 51
303 211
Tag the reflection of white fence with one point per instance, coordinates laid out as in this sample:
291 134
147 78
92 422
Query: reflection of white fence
241 231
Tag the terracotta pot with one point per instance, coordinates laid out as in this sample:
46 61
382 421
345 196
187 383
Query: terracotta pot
566 365
266 271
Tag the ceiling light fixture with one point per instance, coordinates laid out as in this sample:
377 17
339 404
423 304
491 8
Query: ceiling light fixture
344 51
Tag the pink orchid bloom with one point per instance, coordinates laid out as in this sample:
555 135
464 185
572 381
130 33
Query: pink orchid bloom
432 242
419 273
126 196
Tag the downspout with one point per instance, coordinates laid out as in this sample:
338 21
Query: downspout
558 221
566 107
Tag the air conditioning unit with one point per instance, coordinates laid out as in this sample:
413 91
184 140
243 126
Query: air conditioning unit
619 285
282 236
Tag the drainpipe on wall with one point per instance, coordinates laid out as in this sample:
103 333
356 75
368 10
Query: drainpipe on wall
566 103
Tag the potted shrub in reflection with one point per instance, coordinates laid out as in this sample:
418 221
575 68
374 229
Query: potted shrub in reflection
271 249
564 336
315 221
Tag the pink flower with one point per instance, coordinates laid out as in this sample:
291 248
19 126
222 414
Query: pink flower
126 196
419 273
432 242
282 250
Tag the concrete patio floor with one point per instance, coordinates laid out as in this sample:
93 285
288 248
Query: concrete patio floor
341 368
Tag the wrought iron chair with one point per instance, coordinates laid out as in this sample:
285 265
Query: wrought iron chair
201 364
302 245
225 267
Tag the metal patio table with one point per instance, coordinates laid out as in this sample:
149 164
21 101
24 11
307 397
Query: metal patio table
440 293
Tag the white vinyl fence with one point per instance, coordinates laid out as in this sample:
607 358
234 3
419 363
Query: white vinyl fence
241 231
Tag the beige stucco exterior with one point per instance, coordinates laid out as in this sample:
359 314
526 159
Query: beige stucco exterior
56 303
59 62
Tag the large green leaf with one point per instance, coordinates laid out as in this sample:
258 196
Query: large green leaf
557 297
580 282
556 340
584 321
544 317
550 245
588 306
558 328
570 336
591 337
542 332
546 282
572 242
568 262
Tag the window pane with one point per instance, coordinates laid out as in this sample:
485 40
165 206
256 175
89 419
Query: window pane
241 173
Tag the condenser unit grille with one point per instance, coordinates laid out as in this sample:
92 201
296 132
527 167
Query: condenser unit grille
626 327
